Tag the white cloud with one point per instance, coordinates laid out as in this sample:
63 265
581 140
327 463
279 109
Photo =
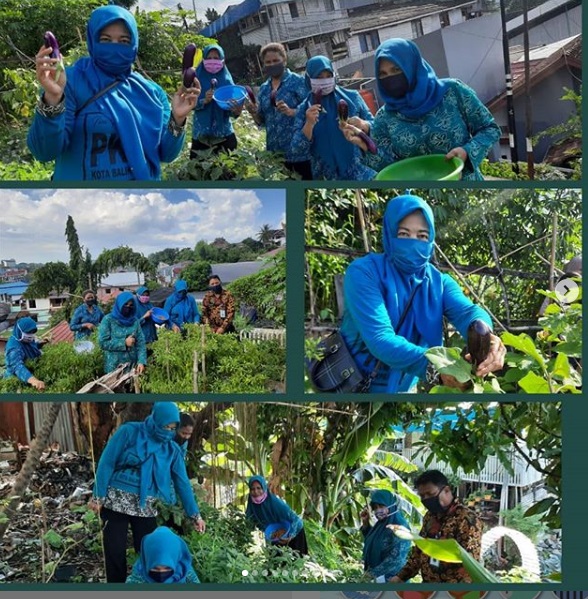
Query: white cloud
32 226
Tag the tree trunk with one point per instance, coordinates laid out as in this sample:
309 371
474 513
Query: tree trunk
24 477
99 419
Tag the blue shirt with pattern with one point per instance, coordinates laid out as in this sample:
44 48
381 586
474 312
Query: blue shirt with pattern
279 127
111 338
460 120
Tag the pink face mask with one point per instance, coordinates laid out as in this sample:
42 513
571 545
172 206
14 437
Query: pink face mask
213 65
260 499
143 299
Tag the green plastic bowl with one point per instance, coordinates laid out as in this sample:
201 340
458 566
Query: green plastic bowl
432 167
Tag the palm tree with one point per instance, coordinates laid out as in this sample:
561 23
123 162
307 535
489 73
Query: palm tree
265 235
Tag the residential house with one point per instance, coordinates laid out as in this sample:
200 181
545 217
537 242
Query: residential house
9 263
167 274
115 283
552 67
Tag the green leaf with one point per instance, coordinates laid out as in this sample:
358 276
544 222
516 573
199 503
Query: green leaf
444 389
513 375
448 360
570 348
54 539
89 516
524 344
561 367
540 506
75 526
533 383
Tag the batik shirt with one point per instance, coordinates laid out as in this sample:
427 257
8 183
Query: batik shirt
459 523
218 310
460 120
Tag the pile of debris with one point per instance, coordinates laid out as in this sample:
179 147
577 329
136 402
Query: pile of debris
53 537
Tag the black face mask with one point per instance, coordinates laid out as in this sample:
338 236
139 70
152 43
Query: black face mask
158 576
216 288
183 293
274 70
394 85
433 504
90 302
127 310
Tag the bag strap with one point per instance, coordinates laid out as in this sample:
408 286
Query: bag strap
97 95
403 316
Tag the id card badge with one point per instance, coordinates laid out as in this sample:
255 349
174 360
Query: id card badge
381 579
223 313
434 563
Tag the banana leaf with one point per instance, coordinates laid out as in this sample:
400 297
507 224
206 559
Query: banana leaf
447 550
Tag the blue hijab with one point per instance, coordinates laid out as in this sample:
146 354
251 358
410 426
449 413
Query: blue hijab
328 141
142 308
374 540
155 449
163 547
408 265
26 325
121 300
223 77
425 90
133 105
271 511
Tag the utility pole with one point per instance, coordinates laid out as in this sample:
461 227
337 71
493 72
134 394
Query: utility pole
528 108
512 136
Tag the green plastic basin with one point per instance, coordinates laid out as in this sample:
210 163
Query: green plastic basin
432 167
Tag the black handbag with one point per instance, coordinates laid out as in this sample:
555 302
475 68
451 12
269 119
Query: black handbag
337 371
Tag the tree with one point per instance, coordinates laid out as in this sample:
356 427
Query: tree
265 235
77 263
211 15
51 277
123 256
196 275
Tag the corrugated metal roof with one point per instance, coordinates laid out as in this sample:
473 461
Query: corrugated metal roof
122 279
60 332
547 50
14 288
231 16
236 270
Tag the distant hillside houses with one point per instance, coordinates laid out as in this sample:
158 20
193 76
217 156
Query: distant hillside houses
115 283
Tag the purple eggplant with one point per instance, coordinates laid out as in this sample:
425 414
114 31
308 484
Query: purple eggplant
188 57
251 95
478 345
51 42
273 101
317 96
188 77
343 110
369 142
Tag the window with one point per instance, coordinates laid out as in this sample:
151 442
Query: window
444 19
369 41
108 291
329 5
32 304
417 28
270 12
293 10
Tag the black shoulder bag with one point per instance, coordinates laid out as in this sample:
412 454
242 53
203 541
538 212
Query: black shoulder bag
336 371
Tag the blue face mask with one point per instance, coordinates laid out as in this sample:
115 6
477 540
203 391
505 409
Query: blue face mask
114 58
160 576
410 255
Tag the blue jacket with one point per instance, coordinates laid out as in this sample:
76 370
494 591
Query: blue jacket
377 287
121 464
82 316
181 311
15 355
123 135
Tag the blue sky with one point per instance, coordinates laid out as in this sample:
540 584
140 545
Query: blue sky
33 220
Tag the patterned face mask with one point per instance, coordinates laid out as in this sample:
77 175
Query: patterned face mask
327 85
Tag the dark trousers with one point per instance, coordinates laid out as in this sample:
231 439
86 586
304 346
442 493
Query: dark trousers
302 168
116 526
229 143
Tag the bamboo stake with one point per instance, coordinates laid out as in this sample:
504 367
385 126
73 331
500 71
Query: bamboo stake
195 372
311 295
500 276
553 248
361 214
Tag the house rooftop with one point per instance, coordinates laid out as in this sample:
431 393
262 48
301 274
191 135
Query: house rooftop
373 16
122 279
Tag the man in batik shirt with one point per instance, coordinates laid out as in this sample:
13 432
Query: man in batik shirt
218 307
446 518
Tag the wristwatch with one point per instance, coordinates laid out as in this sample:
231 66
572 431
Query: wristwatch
431 377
